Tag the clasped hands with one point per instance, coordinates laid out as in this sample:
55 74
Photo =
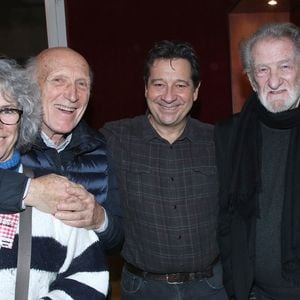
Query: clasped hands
80 209
67 201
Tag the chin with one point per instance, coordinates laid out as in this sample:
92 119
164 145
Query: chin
275 107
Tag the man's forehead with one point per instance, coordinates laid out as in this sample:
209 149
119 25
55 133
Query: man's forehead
273 50
271 44
61 66
61 54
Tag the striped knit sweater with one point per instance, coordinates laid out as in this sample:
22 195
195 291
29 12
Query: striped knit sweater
66 263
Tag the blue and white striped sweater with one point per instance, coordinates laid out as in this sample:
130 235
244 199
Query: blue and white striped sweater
66 263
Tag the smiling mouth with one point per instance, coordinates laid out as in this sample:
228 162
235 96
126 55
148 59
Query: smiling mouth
173 107
65 108
277 92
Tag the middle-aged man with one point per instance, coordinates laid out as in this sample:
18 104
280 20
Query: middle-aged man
258 158
67 146
165 164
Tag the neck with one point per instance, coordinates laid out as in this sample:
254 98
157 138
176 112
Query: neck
56 139
13 162
169 133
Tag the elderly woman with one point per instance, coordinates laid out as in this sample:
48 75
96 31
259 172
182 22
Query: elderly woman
66 262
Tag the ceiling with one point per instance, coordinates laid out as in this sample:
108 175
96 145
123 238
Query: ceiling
254 6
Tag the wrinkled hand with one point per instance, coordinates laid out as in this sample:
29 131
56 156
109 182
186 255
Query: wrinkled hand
47 191
81 210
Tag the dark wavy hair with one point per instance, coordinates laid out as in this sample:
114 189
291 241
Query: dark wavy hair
170 50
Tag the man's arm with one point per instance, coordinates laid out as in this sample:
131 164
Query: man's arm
84 212
81 211
113 236
224 234
44 192
47 191
12 189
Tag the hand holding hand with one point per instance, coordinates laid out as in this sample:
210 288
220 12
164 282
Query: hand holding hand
47 191
81 210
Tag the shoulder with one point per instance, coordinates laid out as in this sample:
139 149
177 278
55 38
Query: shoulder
201 125
87 139
229 122
225 133
84 131
227 126
199 130
123 126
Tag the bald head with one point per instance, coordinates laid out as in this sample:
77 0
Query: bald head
63 76
53 58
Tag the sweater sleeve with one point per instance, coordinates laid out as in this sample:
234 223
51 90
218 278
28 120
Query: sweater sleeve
113 236
12 188
84 273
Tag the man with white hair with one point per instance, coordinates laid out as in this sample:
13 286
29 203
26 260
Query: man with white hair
258 154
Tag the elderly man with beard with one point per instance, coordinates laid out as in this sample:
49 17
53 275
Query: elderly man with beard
258 158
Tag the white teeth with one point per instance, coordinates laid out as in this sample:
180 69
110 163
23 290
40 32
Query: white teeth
171 107
70 109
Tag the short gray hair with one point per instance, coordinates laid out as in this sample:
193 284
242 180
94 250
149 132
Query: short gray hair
16 88
271 30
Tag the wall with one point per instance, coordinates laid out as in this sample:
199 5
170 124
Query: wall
22 29
115 36
295 12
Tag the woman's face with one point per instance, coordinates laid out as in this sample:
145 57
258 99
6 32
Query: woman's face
8 133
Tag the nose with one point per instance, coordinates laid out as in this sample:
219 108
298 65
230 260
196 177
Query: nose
275 79
169 95
71 92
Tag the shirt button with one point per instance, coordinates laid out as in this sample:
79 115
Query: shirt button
175 206
179 237
172 178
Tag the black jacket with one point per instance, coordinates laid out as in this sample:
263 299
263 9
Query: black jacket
12 188
85 161
236 235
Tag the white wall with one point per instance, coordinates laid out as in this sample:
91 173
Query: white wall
56 23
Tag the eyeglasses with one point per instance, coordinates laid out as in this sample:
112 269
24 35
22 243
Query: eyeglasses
10 116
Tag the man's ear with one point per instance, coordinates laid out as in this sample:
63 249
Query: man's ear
146 90
252 82
195 94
